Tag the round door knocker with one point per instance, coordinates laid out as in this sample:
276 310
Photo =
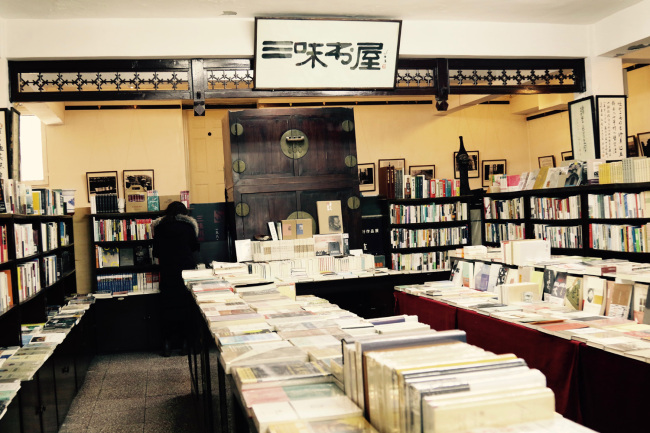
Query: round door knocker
351 161
294 144
236 129
242 209
238 166
354 202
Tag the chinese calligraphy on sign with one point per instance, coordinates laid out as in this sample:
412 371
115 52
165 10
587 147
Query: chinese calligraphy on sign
325 54
612 124
581 116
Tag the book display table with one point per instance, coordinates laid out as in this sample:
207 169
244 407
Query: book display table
601 390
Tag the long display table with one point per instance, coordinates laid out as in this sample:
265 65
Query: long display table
601 390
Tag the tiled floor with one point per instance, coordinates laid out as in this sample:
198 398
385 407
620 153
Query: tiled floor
134 393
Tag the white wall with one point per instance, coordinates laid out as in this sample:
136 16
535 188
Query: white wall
622 28
232 37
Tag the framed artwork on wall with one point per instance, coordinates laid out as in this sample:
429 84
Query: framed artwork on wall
546 161
492 167
398 163
584 132
101 182
567 156
474 168
644 143
366 177
429 171
633 148
141 180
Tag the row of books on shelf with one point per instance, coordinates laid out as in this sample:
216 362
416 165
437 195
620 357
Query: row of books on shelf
575 173
127 283
555 208
113 257
433 237
6 291
428 213
620 237
559 236
28 279
111 230
51 270
503 209
619 205
394 183
300 363
333 244
498 232
39 341
429 261
21 198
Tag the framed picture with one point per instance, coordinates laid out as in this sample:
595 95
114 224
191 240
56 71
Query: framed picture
474 168
429 171
633 148
492 167
141 180
584 134
397 163
612 126
567 156
546 161
366 177
644 143
101 182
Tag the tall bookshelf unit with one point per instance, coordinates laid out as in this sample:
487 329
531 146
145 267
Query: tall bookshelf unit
128 323
421 231
590 220
131 231
38 274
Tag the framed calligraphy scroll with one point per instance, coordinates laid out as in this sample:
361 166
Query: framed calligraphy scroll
612 126
298 53
582 119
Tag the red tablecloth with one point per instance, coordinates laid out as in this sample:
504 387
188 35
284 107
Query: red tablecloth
438 315
613 391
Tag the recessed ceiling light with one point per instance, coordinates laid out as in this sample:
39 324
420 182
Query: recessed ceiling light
229 13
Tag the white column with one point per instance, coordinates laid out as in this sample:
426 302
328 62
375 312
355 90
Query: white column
4 74
603 76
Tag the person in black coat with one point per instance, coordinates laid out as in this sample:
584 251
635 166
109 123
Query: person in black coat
174 243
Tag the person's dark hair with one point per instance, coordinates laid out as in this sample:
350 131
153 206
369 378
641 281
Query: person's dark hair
175 208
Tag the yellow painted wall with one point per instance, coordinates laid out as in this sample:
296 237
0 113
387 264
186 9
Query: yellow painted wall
415 133
638 102
549 135
113 140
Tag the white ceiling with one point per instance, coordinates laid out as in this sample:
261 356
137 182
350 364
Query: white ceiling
526 11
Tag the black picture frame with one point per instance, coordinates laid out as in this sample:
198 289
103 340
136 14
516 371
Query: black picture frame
143 179
567 156
429 171
584 129
611 112
546 161
398 163
101 182
644 143
367 177
633 147
491 167
474 171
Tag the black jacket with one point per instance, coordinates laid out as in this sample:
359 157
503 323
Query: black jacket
174 242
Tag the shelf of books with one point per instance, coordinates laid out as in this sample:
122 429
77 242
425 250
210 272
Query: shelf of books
123 246
425 219
606 220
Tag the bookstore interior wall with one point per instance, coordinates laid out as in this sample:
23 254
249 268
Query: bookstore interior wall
176 145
